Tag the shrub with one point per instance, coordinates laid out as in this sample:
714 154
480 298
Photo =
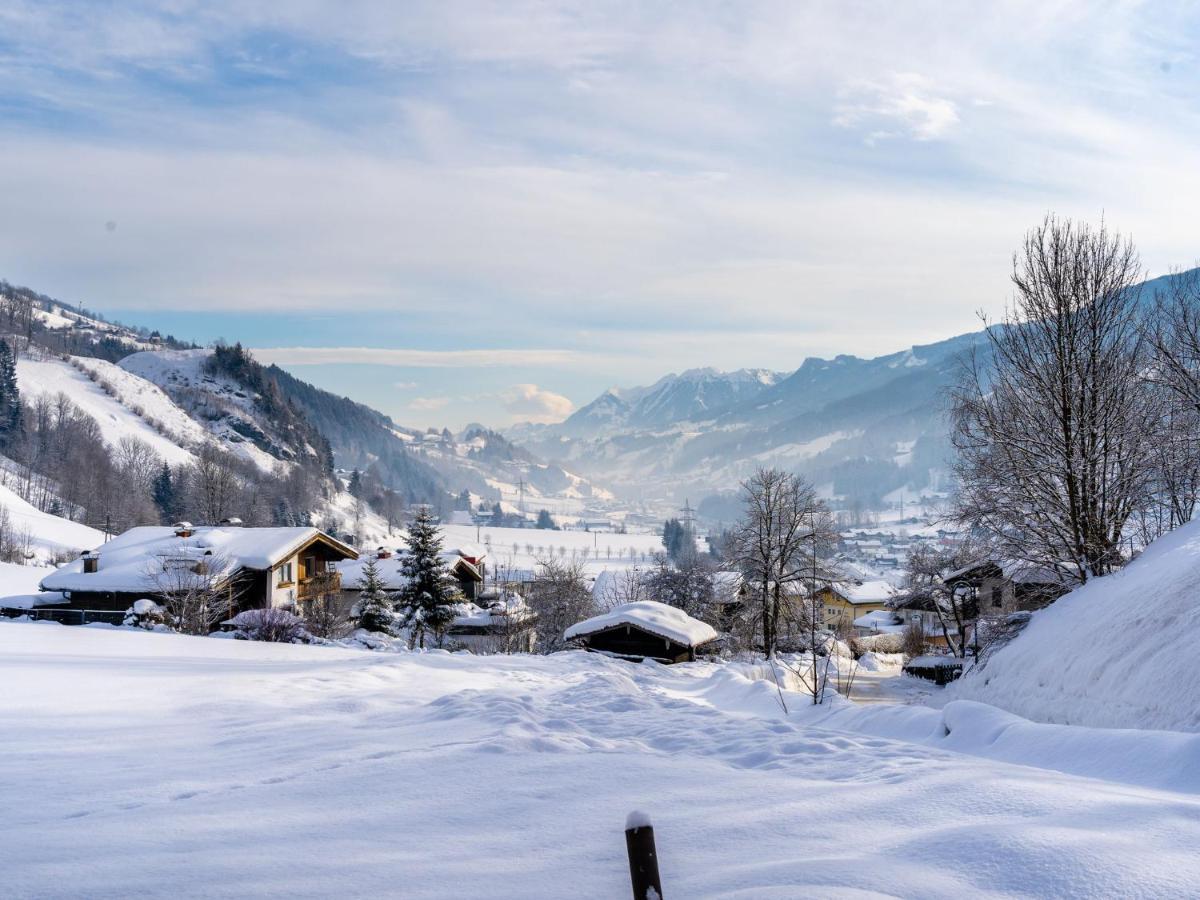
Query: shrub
146 614
277 626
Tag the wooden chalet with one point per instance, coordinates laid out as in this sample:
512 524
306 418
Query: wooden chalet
645 629
252 568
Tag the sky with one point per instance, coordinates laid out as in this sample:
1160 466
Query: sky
477 211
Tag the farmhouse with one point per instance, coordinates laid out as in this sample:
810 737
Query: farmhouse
645 629
250 568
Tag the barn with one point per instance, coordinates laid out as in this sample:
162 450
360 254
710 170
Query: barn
645 629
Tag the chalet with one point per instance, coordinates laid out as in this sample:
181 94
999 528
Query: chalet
467 566
645 629
844 603
1003 586
252 568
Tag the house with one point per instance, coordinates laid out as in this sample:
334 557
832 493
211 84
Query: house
467 567
252 568
844 603
645 629
1004 586
906 614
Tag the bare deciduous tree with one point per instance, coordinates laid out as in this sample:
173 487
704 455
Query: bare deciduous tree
1055 439
192 589
559 596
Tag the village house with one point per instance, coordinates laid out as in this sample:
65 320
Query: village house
842 604
250 568
467 566
1003 586
645 629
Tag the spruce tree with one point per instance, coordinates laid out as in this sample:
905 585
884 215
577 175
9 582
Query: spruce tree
356 488
428 597
164 492
373 611
10 397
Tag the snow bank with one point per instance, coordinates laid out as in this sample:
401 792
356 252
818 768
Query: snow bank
652 616
1118 652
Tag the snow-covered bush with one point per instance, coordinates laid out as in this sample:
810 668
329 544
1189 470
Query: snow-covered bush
880 643
145 613
277 626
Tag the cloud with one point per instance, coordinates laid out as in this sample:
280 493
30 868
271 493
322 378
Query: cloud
530 403
404 385
905 101
417 359
428 403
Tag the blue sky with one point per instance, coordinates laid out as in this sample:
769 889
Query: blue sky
514 205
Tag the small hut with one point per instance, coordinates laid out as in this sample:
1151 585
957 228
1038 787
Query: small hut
646 629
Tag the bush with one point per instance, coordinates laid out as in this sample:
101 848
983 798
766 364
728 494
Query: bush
146 614
277 626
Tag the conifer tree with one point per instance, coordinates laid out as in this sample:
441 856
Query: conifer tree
164 492
10 397
426 602
373 611
356 486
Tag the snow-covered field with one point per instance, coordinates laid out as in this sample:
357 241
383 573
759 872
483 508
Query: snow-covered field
141 764
522 547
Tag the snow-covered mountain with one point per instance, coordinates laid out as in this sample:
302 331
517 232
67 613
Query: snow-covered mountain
861 428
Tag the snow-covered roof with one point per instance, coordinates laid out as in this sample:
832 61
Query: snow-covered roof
878 591
648 615
391 569
130 561
507 610
1016 571
883 621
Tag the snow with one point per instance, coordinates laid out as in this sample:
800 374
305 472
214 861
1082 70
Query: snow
876 591
598 550
652 616
49 535
141 764
129 562
116 420
637 819
1118 652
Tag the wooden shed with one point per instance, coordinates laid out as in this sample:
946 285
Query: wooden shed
646 629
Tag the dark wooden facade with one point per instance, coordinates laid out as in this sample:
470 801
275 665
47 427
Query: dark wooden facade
632 642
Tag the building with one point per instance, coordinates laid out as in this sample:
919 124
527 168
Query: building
467 566
251 568
645 629
1004 586
842 604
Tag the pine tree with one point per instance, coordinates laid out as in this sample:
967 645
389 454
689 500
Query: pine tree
373 611
10 397
356 487
427 600
544 519
164 492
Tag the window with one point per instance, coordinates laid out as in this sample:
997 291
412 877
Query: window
997 597
285 573
309 568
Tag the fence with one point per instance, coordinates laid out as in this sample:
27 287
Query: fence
65 616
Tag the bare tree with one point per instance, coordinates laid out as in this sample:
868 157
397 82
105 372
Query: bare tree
781 541
1055 439
215 481
193 588
559 596
322 609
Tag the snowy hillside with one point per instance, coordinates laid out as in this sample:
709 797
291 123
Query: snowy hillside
142 764
49 536
135 408
1118 652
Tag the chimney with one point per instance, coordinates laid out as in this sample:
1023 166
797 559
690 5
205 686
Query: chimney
91 562
232 522
183 529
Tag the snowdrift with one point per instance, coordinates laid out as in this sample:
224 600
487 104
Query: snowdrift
1115 653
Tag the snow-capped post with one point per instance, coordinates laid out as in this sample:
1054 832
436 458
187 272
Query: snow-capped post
643 858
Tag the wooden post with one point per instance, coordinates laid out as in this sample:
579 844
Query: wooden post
643 858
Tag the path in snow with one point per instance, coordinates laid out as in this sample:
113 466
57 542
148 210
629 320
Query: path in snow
140 764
